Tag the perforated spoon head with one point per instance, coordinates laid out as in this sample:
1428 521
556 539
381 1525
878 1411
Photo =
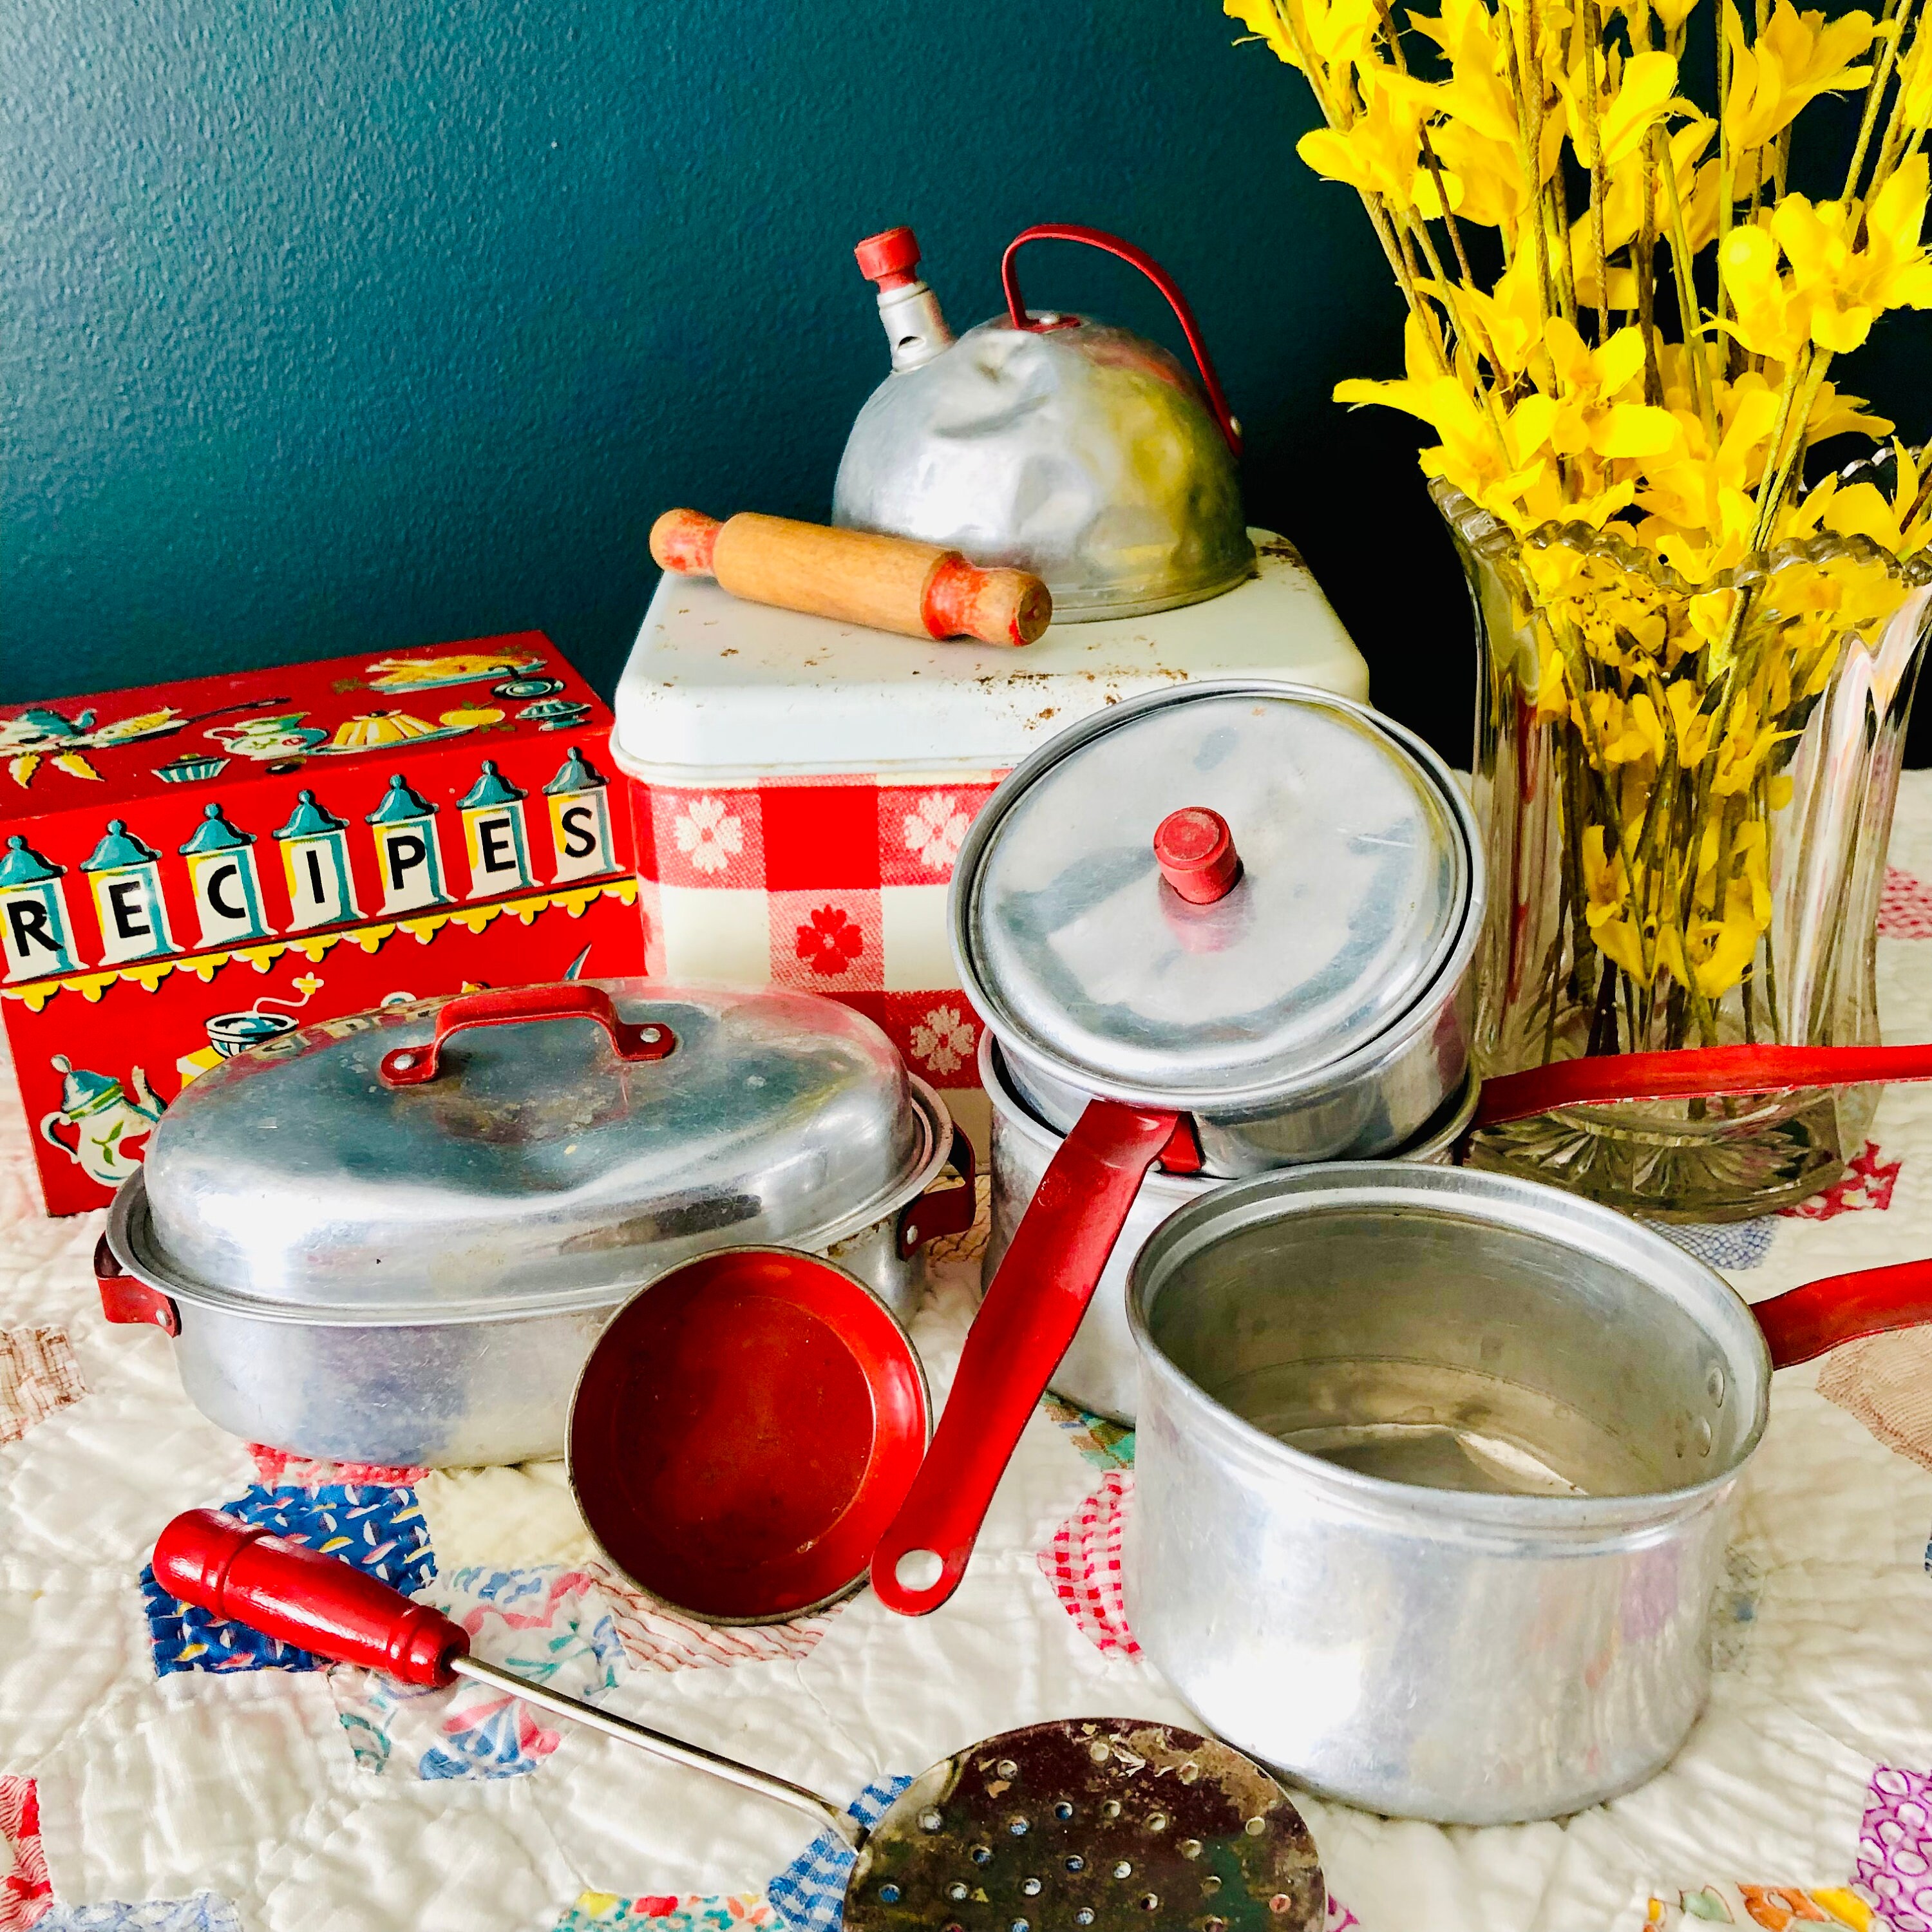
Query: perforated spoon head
1091 1825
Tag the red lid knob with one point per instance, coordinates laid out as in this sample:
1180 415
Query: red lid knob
889 259
1195 852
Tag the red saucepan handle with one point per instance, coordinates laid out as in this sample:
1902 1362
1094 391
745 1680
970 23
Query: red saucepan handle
1809 1321
514 1006
1097 238
1044 1283
239 1571
1694 1073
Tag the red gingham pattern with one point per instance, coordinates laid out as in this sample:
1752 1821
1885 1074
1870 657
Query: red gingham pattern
1904 906
1083 1565
821 852
26 1892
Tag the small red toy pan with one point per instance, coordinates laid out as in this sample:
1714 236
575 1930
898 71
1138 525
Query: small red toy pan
742 1432
1109 1823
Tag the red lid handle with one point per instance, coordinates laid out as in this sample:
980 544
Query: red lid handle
238 1570
891 258
1195 852
1044 1283
569 999
1097 238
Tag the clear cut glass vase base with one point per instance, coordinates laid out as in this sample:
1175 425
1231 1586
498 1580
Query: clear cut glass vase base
1690 1161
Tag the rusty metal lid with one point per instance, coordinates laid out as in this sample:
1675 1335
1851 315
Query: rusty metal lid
1355 876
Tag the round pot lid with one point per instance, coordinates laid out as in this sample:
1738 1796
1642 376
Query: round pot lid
1207 893
395 1161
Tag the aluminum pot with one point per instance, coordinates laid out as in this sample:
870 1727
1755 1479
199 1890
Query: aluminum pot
393 1238
1100 1371
1434 1473
1222 927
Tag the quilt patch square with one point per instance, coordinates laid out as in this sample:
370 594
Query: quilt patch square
1083 1565
38 1374
706 1912
1894 1856
549 1624
378 1528
26 1893
809 1895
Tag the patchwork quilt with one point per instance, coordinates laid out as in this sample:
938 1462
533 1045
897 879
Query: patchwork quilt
163 1772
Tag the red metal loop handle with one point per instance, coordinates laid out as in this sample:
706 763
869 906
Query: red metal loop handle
516 1006
1096 238
941 1211
1044 1283
124 1297
238 1570
1694 1073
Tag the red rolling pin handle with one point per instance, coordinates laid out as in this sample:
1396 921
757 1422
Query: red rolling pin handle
238 1570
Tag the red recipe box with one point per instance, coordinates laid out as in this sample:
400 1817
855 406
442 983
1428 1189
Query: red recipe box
189 869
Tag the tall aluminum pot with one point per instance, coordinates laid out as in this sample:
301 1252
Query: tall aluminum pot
1100 1371
393 1238
1434 1476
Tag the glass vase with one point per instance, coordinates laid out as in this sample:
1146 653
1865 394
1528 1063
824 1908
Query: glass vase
1687 792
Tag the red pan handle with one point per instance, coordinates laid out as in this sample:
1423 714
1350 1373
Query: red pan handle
569 999
1044 1283
1693 1073
1806 1322
1098 238
238 1570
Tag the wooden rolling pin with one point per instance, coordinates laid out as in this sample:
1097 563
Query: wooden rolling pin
890 582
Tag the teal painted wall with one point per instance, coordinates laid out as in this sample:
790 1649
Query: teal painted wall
331 326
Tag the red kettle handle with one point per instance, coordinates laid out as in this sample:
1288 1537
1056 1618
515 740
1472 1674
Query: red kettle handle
1098 238
1043 1284
569 999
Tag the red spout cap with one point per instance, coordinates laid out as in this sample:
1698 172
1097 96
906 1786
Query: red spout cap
890 259
1195 852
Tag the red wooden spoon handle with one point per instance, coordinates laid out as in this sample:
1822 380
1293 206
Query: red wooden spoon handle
238 1570
1044 1283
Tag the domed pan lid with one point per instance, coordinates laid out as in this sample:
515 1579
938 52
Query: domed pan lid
518 1152
1204 895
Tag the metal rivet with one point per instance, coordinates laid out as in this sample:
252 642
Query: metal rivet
930 1821
1007 1768
1098 1751
1030 1887
1714 1382
1157 1822
1123 1869
1063 1811
1190 1848
911 1233
1255 1827
403 1060
1018 1826
956 1890
890 1892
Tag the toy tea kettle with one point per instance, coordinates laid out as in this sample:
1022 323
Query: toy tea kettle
1050 442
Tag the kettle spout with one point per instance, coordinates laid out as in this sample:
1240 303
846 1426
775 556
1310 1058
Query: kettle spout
907 308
